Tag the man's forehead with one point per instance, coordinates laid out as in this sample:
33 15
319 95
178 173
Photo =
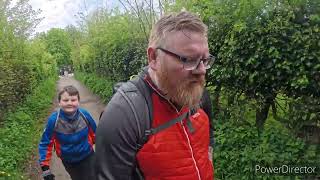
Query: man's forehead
184 31
184 35
186 40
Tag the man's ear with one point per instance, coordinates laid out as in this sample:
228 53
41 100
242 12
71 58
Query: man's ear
152 56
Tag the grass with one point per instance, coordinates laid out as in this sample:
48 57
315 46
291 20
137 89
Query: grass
20 134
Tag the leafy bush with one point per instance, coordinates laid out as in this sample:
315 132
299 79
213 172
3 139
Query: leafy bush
14 89
114 47
98 85
238 148
58 45
23 63
22 128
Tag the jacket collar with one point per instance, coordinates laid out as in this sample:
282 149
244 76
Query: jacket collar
68 117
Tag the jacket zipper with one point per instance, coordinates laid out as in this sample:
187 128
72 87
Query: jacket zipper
185 132
189 144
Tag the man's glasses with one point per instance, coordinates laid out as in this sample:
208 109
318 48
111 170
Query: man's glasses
191 63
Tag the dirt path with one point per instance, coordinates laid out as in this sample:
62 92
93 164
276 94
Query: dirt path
89 101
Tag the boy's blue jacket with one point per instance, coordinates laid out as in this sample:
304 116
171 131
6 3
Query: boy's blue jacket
72 138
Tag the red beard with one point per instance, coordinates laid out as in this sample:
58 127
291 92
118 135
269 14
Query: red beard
184 93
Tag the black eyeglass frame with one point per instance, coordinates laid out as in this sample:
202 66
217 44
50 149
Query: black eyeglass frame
185 59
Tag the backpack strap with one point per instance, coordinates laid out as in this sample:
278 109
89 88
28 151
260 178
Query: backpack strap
166 125
127 98
206 105
85 119
81 114
145 91
57 119
138 85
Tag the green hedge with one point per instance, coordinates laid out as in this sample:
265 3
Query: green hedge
37 66
22 129
115 47
98 85
238 149
239 146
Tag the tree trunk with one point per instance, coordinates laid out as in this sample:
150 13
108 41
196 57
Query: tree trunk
262 113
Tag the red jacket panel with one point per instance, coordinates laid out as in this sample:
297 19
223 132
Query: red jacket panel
176 153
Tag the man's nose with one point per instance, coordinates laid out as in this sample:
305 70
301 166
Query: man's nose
201 69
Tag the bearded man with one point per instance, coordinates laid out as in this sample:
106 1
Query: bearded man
175 132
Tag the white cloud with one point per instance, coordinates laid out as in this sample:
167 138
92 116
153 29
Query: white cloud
56 13
60 13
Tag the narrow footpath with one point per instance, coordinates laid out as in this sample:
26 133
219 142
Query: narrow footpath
89 101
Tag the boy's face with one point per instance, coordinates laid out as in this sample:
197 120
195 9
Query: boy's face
69 104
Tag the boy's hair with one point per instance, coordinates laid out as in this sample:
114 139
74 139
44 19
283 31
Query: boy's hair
175 22
71 90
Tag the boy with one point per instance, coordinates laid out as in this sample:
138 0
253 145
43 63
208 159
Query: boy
71 131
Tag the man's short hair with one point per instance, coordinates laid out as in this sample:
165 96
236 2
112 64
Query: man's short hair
71 90
175 22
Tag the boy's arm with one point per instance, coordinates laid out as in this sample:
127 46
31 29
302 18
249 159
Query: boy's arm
92 124
46 143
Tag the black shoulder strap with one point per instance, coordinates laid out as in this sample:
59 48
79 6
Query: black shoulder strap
206 105
146 92
139 85
166 124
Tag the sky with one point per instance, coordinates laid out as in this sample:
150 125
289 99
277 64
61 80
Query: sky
60 13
